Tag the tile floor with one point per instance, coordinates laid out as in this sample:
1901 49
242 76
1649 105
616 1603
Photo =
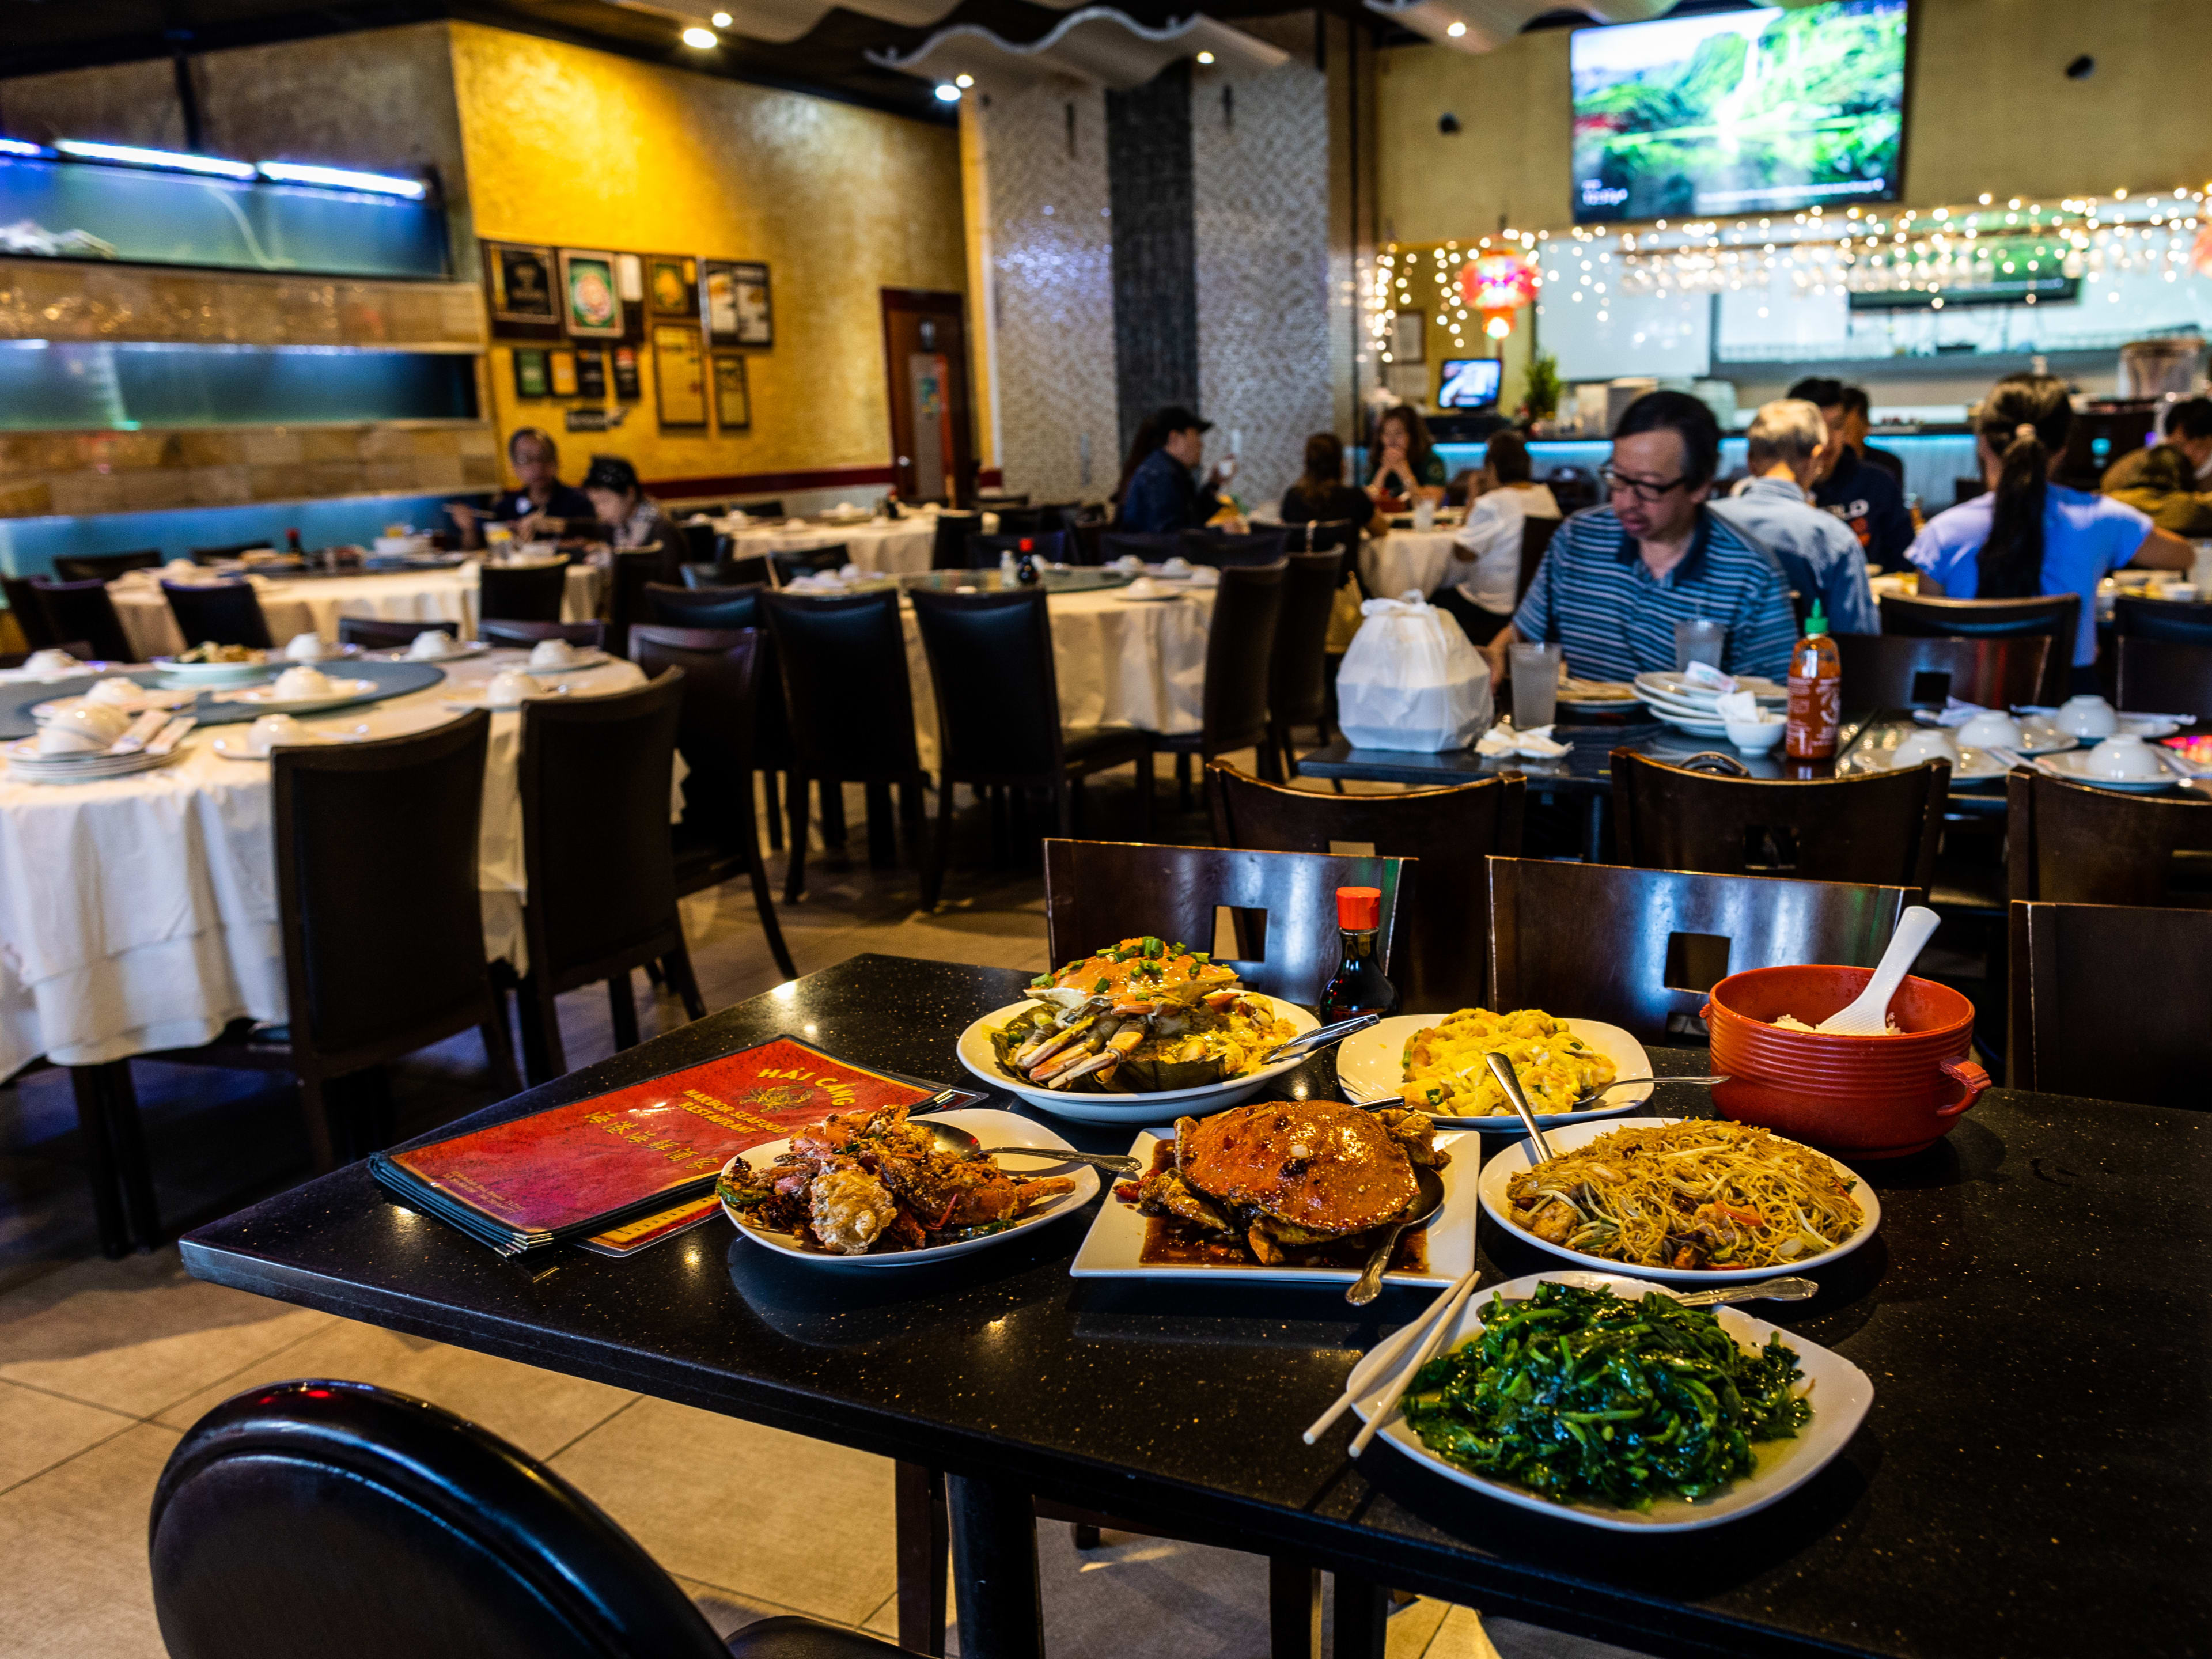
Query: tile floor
104 1363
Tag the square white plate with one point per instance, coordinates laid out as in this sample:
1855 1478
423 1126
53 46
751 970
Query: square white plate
1838 1390
1369 1069
1116 1243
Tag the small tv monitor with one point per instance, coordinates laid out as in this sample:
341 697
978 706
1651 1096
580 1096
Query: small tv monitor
1469 383
1722 113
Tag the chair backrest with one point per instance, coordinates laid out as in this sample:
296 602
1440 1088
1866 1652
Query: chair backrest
221 613
998 500
1298 674
1536 540
1152 549
948 551
345 1521
82 610
806 560
721 674
1223 551
1100 892
377 879
701 606
527 634
770 508
1442 961
845 691
997 698
1641 948
2181 622
530 594
1882 828
984 551
2083 1017
699 543
2163 676
381 633
30 615
1919 670
1322 536
731 568
2073 843
1026 520
633 570
597 864
2055 615
1240 652
223 554
104 566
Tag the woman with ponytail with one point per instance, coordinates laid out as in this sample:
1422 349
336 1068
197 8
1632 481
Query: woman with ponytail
2028 535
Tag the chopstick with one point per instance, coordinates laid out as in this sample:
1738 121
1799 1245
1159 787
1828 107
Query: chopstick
1394 1345
1388 1403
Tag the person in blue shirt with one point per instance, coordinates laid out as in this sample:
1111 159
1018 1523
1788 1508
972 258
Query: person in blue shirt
1157 496
1820 557
1867 499
2029 535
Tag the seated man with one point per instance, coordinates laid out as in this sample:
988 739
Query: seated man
1617 579
542 496
1858 422
1822 560
1157 496
1867 499
2170 481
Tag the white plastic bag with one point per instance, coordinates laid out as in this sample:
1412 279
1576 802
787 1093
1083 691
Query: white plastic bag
1412 680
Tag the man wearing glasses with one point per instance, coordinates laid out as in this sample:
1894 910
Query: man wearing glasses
1617 579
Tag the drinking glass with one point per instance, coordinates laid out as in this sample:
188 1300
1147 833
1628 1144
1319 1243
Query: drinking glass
1536 685
1699 639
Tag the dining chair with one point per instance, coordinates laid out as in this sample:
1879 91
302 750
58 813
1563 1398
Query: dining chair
1641 948
1240 653
104 566
718 839
1298 669
1027 520
1097 893
527 593
1116 544
731 568
1883 827
83 611
1535 541
2054 617
1891 672
1450 832
2073 843
524 635
2109 1001
984 552
948 548
851 710
224 553
218 613
1222 550
696 605
631 571
22 596
2157 675
382 634
2181 622
807 561
76 649
1322 536
702 606
352 1522
770 508
699 543
998 714
598 868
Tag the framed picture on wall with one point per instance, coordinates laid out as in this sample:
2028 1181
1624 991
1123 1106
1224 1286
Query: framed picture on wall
733 403
734 303
524 292
672 287
592 304
561 373
529 376
591 373
679 376
627 388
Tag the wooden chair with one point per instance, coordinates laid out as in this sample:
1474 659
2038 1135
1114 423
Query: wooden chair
1240 653
731 568
2164 676
530 594
1535 541
1442 949
1097 892
807 561
2072 843
1918 671
998 714
1883 829
1641 948
634 568
698 606
770 508
2054 617
2183 623
599 871
948 551
220 613
524 635
104 566
83 611
699 540
378 634
1297 672
22 595
2110 1001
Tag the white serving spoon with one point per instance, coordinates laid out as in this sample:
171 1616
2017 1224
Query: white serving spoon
1870 1015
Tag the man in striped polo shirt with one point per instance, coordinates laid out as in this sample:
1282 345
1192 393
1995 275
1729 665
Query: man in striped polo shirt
1617 579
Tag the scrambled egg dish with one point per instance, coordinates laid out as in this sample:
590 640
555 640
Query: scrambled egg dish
1445 1071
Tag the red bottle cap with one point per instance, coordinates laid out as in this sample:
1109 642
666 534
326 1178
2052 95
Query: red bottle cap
1358 909
1028 546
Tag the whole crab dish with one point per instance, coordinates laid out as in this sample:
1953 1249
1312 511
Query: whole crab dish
871 1183
1284 1181
1139 1018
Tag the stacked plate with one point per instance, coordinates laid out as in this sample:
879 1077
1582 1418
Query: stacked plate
1673 699
26 765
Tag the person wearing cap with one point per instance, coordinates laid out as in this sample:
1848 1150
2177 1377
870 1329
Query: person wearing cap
540 495
1159 496
1867 499
633 518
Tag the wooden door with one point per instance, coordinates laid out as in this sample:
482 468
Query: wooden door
925 366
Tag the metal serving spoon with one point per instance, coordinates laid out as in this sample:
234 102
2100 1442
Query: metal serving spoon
961 1143
1771 1290
1502 1069
1324 1037
1430 1200
1622 1082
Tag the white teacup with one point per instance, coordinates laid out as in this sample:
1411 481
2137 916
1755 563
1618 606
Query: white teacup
2124 755
272 730
302 684
431 644
50 662
1992 729
510 686
86 728
116 692
1921 746
1177 566
2086 716
553 653
307 647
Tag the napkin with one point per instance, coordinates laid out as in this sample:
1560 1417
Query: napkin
1703 677
1953 713
1739 705
1536 743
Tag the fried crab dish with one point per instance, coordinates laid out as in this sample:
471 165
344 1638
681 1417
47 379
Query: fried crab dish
1138 1018
1287 1174
871 1183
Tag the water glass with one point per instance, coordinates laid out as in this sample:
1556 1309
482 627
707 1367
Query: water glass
1699 639
1536 685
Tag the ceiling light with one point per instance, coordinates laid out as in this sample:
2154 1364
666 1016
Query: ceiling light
1456 30
1206 57
947 93
722 19
288 172
964 80
700 38
175 160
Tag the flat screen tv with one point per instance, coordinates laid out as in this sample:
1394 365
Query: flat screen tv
1740 112
1469 383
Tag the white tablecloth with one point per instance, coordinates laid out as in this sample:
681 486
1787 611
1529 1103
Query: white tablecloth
315 605
889 547
1405 559
141 914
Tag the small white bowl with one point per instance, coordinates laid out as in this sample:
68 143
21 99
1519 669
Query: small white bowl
431 644
86 728
302 684
273 730
1755 736
1922 746
116 692
2124 755
1992 729
509 687
553 653
309 647
50 662
2087 716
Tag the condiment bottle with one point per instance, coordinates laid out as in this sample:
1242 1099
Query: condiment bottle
1358 985
1008 570
1026 571
1816 692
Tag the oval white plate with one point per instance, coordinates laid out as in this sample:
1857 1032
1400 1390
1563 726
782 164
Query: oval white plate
1668 683
1163 1107
214 673
1515 1158
1369 1066
1838 1390
267 696
992 1128
2074 767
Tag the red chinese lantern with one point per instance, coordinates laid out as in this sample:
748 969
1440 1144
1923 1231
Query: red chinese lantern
1497 285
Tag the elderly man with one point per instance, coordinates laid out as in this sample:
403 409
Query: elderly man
1867 499
542 496
1822 560
1617 579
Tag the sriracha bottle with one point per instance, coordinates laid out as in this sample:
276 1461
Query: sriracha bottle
1816 693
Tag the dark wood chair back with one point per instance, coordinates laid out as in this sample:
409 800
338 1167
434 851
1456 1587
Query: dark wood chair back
224 553
1883 829
378 633
948 551
849 701
699 543
2164 676
808 561
532 594
1535 541
353 1523
1099 892
634 569
219 613
2072 843
524 635
30 615
770 508
2054 617
731 568
1116 544
1641 948
697 605
998 695
1919 670
104 566
1224 551
2183 623
1322 536
2110 1001
1027 520
1240 652
1442 960
82 610
1298 673
984 552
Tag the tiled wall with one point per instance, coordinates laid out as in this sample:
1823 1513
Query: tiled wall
1149 171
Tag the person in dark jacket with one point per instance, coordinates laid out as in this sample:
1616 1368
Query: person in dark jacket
1157 496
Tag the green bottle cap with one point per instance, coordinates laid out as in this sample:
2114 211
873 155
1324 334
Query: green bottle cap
1817 623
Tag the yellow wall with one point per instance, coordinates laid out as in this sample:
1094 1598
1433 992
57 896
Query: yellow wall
578 148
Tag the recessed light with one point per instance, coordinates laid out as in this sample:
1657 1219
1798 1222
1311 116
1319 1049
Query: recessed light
1456 30
964 81
699 39
947 93
722 19
1206 57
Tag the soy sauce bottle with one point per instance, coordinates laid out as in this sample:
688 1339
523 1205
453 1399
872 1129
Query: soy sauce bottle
1026 572
1359 986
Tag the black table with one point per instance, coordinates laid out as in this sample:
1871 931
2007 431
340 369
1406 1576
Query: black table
2030 1480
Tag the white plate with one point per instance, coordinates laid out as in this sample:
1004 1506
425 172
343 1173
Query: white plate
144 700
35 768
461 649
1116 1243
992 1128
1516 1158
1696 728
1149 598
1838 1390
215 673
2143 726
2074 768
330 653
1370 1068
588 656
1164 1106
1666 682
239 749
268 697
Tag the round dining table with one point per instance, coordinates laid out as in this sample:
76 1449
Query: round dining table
886 547
1406 560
